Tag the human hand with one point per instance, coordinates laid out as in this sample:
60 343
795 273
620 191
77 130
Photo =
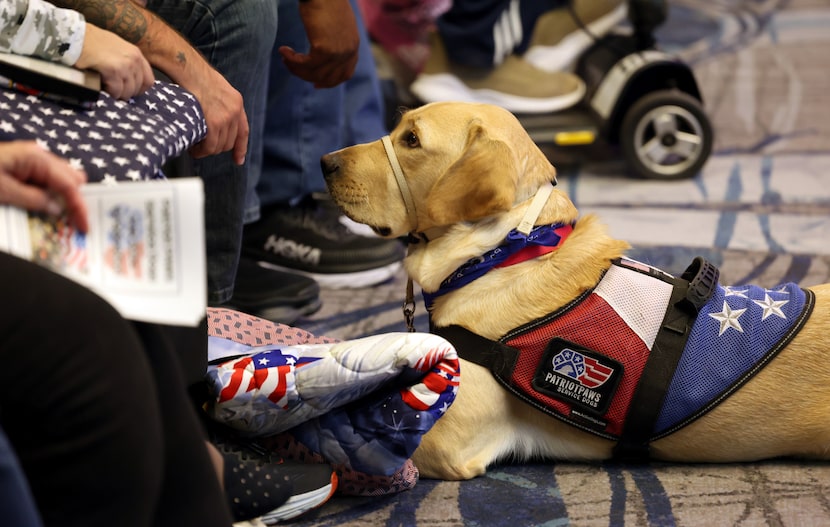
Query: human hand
227 122
124 70
37 180
167 50
331 28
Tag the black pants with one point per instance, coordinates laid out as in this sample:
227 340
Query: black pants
97 411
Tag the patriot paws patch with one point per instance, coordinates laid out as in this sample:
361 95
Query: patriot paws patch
579 376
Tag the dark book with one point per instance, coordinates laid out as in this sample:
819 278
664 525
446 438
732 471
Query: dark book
50 79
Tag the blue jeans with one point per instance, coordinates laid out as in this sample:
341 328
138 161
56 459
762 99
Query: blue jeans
17 506
237 38
303 123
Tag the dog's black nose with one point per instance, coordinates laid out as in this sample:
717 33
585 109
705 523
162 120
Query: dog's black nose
330 164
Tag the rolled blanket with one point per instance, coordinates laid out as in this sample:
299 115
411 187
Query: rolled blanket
361 404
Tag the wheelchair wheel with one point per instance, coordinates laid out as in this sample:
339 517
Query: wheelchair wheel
666 135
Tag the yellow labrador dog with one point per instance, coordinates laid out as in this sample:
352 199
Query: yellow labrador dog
573 351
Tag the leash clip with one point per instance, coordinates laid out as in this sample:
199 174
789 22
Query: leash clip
414 238
409 307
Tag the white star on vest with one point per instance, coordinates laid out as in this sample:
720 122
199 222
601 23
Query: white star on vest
732 291
771 307
728 318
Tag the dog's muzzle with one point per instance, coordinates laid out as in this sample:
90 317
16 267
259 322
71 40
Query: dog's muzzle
409 203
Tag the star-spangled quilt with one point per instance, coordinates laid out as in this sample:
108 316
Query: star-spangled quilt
362 405
114 140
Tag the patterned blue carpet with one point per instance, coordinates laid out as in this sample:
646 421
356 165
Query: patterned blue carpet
760 210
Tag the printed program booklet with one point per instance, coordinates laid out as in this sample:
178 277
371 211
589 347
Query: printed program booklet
144 252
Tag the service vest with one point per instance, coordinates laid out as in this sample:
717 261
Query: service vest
592 362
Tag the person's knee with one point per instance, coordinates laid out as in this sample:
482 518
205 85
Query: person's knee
87 416
75 311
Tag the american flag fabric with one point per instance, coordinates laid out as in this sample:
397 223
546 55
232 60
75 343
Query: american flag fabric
114 140
364 402
585 361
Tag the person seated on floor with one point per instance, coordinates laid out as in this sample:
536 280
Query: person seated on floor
518 54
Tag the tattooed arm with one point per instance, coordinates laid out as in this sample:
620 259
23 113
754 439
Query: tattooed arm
172 54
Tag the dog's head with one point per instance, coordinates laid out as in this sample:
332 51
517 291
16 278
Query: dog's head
461 162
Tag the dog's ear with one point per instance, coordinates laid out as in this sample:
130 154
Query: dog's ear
480 183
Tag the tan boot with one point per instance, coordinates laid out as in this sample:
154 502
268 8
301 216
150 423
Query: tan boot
558 39
514 84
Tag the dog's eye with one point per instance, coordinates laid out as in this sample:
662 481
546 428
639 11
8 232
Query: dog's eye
412 140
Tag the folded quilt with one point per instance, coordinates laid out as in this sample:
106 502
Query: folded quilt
362 405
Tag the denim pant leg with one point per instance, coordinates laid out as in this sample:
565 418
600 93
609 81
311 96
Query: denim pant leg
365 118
303 123
17 506
300 123
237 38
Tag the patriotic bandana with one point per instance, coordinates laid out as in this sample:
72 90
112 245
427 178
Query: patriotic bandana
584 362
517 247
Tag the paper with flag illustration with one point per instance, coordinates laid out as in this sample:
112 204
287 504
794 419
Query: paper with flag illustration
144 252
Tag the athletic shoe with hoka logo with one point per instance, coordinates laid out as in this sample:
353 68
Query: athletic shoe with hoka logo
311 239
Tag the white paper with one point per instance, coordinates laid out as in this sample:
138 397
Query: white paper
144 252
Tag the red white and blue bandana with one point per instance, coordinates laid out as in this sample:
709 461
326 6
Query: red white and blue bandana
517 247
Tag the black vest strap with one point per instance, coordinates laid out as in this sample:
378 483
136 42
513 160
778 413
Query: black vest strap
495 356
690 293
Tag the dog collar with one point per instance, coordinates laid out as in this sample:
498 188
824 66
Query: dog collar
409 203
535 208
525 226
517 247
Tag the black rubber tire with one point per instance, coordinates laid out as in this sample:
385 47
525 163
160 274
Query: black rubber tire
678 151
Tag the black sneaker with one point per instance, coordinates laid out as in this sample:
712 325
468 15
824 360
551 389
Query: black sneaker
310 238
273 295
264 487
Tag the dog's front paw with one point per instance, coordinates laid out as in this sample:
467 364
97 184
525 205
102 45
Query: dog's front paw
440 466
